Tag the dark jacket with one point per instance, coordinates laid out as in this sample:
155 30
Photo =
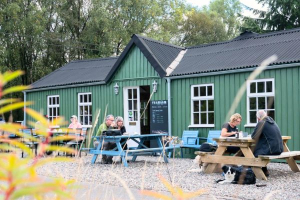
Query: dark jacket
268 138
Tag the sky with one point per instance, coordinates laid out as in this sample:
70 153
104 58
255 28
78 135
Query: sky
249 3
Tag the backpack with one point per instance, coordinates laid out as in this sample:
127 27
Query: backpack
208 147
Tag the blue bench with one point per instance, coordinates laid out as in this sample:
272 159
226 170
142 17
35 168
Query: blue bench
190 139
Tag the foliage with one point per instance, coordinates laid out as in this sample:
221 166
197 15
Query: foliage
18 177
281 15
177 192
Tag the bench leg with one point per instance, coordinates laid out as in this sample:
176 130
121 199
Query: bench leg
293 165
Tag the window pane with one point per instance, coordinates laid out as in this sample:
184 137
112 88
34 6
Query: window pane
50 101
196 91
90 98
253 117
211 105
209 90
90 110
54 111
211 119
81 110
269 86
196 106
252 103
203 105
270 102
135 104
135 115
80 99
58 111
196 118
129 105
261 103
81 120
85 98
130 94
50 113
271 113
260 87
203 91
253 87
135 93
91 120
57 100
203 118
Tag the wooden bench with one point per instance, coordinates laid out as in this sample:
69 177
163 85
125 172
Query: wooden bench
290 157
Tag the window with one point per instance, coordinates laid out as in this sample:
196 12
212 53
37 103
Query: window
260 96
53 107
202 105
85 109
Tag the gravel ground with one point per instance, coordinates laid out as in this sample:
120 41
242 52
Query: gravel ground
143 174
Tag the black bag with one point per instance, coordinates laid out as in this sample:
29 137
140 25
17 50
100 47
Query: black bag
207 147
112 132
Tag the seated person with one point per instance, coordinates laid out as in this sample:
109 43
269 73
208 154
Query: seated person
119 125
74 123
107 145
267 137
229 129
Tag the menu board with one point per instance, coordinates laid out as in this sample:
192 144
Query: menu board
159 116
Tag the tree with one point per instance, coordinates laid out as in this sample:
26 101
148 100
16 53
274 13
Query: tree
280 15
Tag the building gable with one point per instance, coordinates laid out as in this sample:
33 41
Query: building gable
135 66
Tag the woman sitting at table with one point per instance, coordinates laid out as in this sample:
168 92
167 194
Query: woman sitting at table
74 123
229 129
119 125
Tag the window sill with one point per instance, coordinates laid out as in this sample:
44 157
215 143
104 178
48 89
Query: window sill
202 126
250 125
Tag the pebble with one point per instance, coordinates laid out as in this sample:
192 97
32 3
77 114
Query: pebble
145 171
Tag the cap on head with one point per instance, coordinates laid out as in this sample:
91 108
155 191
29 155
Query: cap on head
74 116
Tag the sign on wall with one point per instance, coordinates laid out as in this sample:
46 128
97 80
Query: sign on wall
159 116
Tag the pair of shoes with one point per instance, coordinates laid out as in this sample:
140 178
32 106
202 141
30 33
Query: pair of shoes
266 172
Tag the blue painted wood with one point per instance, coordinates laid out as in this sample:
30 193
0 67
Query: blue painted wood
119 151
213 134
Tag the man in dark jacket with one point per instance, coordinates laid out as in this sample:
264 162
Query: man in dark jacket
267 137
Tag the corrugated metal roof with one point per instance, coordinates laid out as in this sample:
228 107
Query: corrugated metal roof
247 50
77 72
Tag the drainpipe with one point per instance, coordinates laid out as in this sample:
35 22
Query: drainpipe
24 120
170 108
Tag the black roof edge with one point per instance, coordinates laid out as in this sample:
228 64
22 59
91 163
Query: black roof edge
147 53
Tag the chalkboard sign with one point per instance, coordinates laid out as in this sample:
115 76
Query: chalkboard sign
159 116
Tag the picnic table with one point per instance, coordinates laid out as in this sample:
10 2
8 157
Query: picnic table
245 145
141 149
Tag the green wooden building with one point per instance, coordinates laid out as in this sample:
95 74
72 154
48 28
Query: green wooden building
199 83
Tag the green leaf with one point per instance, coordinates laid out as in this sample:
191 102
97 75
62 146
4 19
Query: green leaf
15 89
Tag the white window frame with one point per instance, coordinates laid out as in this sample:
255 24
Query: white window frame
265 94
193 98
84 104
51 107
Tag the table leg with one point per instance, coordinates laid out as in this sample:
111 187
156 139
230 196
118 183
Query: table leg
257 170
293 165
211 167
139 147
123 157
98 149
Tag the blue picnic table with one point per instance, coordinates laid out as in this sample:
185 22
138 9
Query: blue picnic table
141 149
